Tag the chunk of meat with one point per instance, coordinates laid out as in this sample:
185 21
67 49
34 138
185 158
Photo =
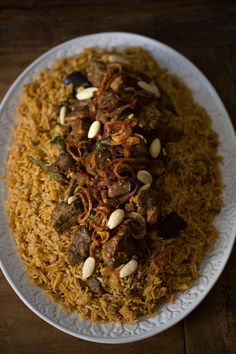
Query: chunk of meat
117 83
120 248
137 225
119 188
79 129
94 286
148 206
149 115
95 72
73 257
82 242
81 110
64 216
152 215
79 248
107 102
90 168
139 150
82 178
64 163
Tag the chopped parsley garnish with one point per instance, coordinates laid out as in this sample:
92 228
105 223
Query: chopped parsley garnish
58 140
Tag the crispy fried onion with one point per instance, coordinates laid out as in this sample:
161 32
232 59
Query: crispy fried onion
77 150
127 167
128 94
83 196
98 162
102 213
132 140
113 71
98 238
118 131
117 112
101 234
124 198
124 94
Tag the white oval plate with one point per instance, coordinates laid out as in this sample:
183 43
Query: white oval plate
213 263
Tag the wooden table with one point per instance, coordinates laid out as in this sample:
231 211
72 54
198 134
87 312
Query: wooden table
204 31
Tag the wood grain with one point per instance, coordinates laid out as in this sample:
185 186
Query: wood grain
52 22
204 31
16 63
21 331
211 327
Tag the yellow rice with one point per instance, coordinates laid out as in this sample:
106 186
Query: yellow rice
32 196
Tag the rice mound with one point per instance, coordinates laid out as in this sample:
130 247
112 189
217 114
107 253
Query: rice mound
192 187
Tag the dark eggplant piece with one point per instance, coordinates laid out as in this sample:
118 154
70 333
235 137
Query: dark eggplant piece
171 226
77 79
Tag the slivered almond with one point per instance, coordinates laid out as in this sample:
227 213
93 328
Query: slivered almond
62 115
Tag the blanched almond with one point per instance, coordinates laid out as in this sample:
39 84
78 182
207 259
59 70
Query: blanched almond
94 129
149 87
144 176
116 218
145 187
116 58
86 93
129 268
79 89
155 148
130 115
88 267
71 199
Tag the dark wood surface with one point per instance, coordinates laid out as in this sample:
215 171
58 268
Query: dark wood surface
204 31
